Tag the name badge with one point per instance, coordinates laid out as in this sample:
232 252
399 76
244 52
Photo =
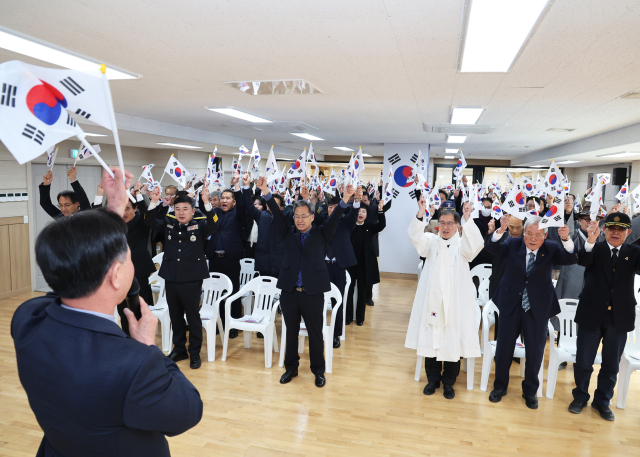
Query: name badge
169 226
192 227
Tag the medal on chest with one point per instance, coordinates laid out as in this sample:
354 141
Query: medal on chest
168 237
193 238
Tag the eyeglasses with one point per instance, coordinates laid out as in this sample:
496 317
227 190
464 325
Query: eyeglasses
298 217
66 205
449 224
535 237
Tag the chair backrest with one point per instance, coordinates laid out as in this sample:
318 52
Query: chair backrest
636 288
347 284
333 294
483 291
158 258
632 347
482 272
162 295
215 288
264 289
488 319
568 329
247 270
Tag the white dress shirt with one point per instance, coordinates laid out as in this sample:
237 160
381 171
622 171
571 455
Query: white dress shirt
110 317
589 247
568 245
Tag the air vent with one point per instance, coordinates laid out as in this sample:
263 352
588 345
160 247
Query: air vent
630 96
560 130
276 87
464 130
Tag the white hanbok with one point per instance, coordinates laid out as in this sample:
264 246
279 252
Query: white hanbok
443 321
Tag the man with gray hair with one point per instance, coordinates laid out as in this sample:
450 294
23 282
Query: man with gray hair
526 299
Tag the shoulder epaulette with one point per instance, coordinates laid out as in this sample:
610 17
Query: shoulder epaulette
171 216
198 218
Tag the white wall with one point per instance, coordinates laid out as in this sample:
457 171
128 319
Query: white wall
578 177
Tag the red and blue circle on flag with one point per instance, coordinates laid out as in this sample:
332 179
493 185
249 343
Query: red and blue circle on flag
520 198
553 179
402 176
295 165
46 102
177 172
553 210
529 187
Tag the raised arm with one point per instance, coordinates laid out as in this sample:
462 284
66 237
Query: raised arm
329 227
207 209
585 255
420 240
151 218
279 219
382 220
77 188
494 244
45 196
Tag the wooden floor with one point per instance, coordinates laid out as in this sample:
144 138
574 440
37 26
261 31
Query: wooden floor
370 406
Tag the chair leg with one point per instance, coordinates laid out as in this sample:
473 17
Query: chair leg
165 328
624 377
247 338
539 393
283 342
418 369
464 365
344 317
300 344
225 343
328 354
552 374
471 365
275 339
267 347
487 361
523 362
355 300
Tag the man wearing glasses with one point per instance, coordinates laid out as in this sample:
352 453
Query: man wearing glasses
69 201
526 299
304 278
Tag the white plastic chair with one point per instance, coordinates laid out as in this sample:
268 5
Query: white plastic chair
420 265
629 363
264 289
161 311
344 305
488 319
247 273
483 293
327 330
482 272
216 288
155 288
469 364
636 288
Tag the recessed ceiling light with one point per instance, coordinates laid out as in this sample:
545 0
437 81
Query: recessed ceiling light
620 154
560 130
367 155
240 115
307 136
456 138
176 145
451 151
342 148
466 115
14 42
449 157
95 134
567 162
496 31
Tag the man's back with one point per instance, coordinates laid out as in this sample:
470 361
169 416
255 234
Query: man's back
102 393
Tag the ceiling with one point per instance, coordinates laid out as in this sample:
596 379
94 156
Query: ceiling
385 68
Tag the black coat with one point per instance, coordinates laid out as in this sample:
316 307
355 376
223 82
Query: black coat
369 232
310 260
604 286
341 243
542 296
95 390
138 240
54 211
231 227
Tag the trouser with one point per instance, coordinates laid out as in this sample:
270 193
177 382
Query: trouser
358 274
587 344
338 277
311 308
535 338
231 268
433 368
145 289
369 292
183 299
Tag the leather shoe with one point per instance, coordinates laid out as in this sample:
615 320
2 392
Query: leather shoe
531 401
496 395
320 381
177 356
195 361
449 393
604 411
360 323
576 406
430 388
288 376
370 302
348 322
336 343
233 333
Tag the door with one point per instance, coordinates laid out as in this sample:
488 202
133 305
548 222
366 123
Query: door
88 176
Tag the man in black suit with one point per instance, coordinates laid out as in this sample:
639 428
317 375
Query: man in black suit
526 299
91 388
606 310
69 201
304 278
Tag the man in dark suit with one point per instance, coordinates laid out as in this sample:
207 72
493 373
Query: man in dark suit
91 388
526 299
69 201
606 310
304 278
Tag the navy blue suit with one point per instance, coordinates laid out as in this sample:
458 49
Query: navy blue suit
94 390
542 299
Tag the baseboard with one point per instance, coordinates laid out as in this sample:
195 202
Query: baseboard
387 275
13 293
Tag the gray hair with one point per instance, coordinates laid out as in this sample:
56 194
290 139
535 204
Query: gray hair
216 193
303 203
533 220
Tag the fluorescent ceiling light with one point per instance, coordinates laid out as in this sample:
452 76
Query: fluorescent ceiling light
496 31
29 47
307 136
286 158
538 166
620 154
367 155
186 146
451 151
342 148
95 134
567 162
275 87
240 115
466 115
449 157
456 138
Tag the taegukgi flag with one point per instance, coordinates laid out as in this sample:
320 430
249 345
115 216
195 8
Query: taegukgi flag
271 169
299 167
177 171
146 172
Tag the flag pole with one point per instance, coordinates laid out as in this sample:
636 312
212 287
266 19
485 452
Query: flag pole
95 154
116 139
54 158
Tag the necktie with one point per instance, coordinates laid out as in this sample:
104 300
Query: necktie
525 295
614 256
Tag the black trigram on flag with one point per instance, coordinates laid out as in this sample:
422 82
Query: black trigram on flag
414 158
511 204
33 134
394 159
72 86
70 121
395 193
8 95
82 113
522 209
557 218
412 194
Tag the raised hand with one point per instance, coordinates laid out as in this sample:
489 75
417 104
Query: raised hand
246 179
115 190
593 230
304 192
236 178
564 233
380 205
47 178
155 195
358 194
615 208
422 206
100 190
262 185
467 209
72 172
205 194
504 223
143 329
491 226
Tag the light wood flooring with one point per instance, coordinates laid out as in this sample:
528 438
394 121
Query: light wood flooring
371 405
